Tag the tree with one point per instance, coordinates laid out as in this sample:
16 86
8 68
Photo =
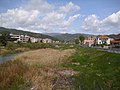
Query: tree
4 38
76 41
29 40
81 38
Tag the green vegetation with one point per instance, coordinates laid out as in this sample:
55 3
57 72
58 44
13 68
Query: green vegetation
76 41
21 47
4 38
81 38
98 70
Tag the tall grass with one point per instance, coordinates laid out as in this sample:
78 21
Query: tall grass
21 47
45 57
32 70
11 74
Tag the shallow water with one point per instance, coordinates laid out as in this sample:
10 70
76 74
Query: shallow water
7 57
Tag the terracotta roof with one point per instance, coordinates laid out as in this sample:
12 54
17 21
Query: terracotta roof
115 41
103 36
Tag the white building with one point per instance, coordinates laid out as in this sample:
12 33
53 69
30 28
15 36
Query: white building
20 38
35 40
47 40
103 40
56 42
25 39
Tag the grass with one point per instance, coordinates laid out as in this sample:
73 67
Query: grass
11 74
45 57
98 70
13 48
32 69
37 69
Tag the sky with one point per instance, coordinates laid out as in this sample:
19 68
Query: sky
61 16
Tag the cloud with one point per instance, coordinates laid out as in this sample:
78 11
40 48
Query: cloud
93 23
69 8
40 16
41 5
18 17
113 20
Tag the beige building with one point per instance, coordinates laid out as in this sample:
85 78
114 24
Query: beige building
89 41
47 40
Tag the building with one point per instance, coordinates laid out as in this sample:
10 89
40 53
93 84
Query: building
47 40
56 42
103 39
33 40
19 38
25 38
36 40
89 41
40 40
115 42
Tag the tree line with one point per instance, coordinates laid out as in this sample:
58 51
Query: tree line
4 38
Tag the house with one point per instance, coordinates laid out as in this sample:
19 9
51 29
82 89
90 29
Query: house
19 38
15 38
89 41
103 39
25 38
40 40
35 40
47 40
115 42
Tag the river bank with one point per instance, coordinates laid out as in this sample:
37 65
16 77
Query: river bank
7 57
63 69
35 69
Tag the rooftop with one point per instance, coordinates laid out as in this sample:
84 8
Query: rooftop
103 36
115 41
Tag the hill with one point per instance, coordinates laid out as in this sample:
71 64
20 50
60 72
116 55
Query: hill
36 35
115 36
70 37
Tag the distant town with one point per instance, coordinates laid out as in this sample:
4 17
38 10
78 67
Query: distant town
100 41
20 38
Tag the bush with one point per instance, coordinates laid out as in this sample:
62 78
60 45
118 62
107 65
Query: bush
12 46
